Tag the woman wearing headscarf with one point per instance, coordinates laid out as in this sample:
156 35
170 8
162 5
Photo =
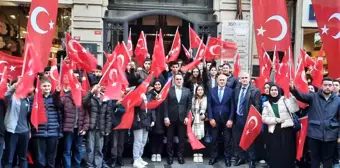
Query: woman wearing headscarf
158 130
281 142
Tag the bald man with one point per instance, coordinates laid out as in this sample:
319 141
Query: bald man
220 118
244 96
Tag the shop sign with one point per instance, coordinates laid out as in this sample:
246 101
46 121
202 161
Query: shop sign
238 31
308 14
98 32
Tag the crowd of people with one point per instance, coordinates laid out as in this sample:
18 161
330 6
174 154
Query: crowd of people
219 103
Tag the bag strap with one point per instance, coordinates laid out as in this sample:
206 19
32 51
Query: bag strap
290 114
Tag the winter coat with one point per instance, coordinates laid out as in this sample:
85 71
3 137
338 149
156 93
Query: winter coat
117 113
100 113
159 127
53 127
69 110
2 116
323 115
286 106
143 117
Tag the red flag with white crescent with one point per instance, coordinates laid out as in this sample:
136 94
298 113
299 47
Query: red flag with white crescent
80 55
141 49
85 84
317 70
25 84
213 49
38 115
195 40
164 93
271 25
3 83
327 13
301 137
41 28
54 75
300 81
251 129
158 60
237 66
14 65
187 53
129 45
175 48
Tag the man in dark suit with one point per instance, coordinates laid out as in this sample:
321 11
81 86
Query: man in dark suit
175 117
220 117
244 96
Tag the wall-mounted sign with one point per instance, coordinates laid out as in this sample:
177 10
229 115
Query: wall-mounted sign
98 32
308 14
238 32
77 38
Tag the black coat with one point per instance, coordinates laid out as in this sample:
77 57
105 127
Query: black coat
159 127
100 113
232 82
323 115
117 113
252 97
178 110
143 117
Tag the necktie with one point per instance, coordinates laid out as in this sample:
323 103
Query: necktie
220 94
241 105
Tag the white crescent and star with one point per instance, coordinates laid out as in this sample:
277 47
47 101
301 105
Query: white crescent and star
256 123
70 44
12 68
111 73
284 27
212 48
33 20
3 62
53 68
140 46
122 58
129 45
336 16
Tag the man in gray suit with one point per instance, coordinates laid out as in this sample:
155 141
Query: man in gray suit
175 117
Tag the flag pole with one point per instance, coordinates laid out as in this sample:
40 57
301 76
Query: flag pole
25 56
189 38
61 71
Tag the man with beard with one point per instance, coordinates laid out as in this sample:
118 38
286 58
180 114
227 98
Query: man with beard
323 122
232 81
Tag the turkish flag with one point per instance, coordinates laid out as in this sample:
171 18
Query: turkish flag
200 54
228 48
14 65
164 93
117 82
265 67
301 81
317 70
195 40
213 49
251 129
194 142
307 60
132 99
175 48
85 84
271 25
123 57
76 89
237 66
41 28
158 60
191 65
38 115
113 91
141 49
3 83
301 137
129 45
327 13
64 72
187 53
25 84
54 75
78 54
282 77
31 55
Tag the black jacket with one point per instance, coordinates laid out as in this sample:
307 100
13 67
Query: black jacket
323 115
159 127
100 113
143 117
178 110
117 112
232 82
